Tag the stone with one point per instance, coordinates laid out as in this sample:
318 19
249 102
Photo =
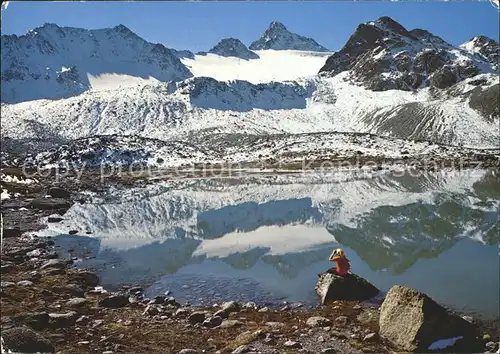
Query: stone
56 192
275 325
188 351
318 321
7 284
5 268
55 264
159 299
292 344
35 253
230 306
62 320
331 287
54 219
341 320
197 317
250 305
25 340
264 309
36 320
135 290
50 204
370 337
181 313
88 278
249 336
338 334
492 346
412 321
114 301
212 322
11 232
231 324
53 271
242 349
222 314
74 290
25 283
328 351
76 302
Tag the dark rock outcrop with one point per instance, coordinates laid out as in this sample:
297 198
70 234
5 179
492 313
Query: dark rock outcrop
331 287
232 47
413 321
383 55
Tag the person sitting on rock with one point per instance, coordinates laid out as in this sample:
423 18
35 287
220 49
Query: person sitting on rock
343 265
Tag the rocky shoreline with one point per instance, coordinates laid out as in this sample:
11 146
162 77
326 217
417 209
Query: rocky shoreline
48 305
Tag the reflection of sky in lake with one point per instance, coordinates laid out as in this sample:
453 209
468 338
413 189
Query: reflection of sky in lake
269 242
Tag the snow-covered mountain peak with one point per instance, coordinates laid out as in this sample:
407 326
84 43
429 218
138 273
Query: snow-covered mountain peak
278 37
277 26
383 55
36 65
232 47
485 47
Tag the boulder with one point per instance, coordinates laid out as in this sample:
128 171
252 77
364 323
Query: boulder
318 321
25 340
413 321
55 264
87 278
35 320
114 301
331 287
197 317
62 320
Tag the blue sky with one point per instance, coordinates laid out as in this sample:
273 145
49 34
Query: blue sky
200 25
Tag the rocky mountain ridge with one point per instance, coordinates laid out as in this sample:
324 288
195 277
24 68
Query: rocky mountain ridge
232 47
52 62
383 55
278 37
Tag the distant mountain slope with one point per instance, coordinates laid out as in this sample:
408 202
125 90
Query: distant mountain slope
277 37
204 106
56 62
383 55
232 47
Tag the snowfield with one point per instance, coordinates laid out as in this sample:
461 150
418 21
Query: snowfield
273 65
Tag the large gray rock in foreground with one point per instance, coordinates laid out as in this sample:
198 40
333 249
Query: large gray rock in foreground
25 340
331 287
413 321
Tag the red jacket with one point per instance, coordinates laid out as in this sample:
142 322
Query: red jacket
343 266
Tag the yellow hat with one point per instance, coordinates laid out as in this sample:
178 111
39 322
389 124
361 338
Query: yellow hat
337 253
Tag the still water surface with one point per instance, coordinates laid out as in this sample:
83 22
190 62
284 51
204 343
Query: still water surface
266 239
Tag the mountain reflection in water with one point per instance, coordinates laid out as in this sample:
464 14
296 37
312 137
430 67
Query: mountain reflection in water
251 239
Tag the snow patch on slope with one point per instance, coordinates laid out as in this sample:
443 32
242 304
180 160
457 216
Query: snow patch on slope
272 65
